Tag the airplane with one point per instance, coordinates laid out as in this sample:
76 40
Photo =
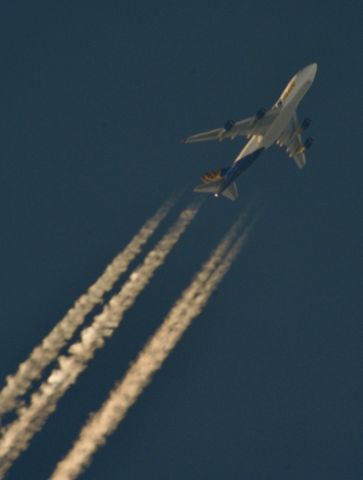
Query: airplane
278 125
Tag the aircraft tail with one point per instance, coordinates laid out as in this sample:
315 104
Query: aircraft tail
212 181
231 192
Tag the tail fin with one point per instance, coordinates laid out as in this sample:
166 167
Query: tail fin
212 182
231 192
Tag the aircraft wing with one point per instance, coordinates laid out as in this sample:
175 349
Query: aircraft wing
245 128
293 143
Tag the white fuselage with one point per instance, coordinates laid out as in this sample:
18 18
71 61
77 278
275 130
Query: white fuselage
285 106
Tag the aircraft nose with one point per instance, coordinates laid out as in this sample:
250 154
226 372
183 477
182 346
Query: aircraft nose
311 70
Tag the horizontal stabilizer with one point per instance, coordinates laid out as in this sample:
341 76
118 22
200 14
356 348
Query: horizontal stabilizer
231 192
208 187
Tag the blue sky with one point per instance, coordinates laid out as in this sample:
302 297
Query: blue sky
95 98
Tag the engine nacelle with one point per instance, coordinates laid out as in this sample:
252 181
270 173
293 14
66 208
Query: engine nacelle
260 113
308 142
229 125
305 123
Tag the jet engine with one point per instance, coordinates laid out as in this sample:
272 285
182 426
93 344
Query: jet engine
229 125
305 123
308 142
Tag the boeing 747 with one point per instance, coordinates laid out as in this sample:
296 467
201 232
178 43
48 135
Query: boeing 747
278 125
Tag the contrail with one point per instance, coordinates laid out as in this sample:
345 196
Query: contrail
124 395
48 350
31 418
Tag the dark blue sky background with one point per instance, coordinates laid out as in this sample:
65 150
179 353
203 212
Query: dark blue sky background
95 96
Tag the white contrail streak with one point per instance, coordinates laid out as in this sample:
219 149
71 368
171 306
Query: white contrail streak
31 418
48 350
124 395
